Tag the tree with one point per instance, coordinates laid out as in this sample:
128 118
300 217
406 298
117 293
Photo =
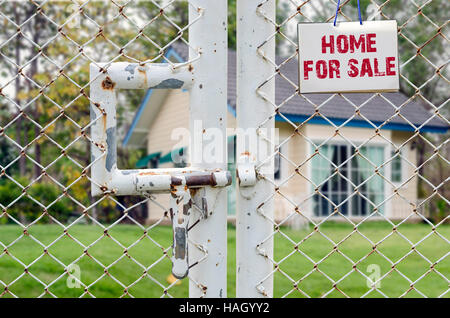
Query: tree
47 68
7 155
47 65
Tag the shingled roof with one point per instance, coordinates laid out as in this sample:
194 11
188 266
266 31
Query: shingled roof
376 107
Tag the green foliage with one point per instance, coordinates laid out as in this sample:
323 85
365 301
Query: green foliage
232 24
442 209
7 154
26 210
424 33
439 210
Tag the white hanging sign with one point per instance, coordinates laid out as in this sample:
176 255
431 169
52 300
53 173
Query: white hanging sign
348 57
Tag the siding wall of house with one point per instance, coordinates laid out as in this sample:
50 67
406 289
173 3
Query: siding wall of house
401 206
173 114
231 120
296 191
300 149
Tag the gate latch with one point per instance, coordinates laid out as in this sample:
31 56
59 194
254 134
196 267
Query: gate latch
246 172
180 209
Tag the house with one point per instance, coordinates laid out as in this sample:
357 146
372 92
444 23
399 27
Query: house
162 111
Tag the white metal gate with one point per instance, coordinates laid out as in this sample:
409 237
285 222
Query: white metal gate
203 179
312 171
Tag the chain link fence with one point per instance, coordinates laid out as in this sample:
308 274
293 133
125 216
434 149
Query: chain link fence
357 170
56 239
357 206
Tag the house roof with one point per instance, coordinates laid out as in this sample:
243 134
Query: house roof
376 108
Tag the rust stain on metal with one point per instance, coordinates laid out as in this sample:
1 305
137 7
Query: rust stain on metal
143 72
108 84
200 180
176 181
151 173
147 173
193 191
104 121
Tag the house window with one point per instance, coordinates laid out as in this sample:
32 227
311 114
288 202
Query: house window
279 163
337 189
396 168
179 157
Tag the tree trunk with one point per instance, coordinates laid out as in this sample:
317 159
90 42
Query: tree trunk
36 29
19 124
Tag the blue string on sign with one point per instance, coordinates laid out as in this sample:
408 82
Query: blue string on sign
337 10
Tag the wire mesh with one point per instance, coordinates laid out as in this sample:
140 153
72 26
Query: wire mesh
351 183
56 239
54 235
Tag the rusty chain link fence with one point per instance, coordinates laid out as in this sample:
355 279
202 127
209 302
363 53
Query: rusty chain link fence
56 239
357 205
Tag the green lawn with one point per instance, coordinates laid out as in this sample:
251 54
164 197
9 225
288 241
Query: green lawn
296 266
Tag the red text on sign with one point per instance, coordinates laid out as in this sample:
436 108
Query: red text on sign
365 43
368 67
322 68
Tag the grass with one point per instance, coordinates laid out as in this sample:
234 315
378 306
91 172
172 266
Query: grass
313 281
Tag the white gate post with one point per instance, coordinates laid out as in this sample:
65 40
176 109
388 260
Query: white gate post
208 111
254 109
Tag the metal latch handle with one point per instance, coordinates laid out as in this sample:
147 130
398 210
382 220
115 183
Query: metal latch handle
180 202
